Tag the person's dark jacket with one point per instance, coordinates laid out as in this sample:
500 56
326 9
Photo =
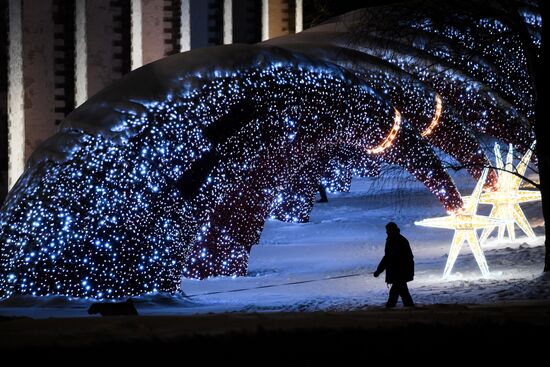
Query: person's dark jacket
397 261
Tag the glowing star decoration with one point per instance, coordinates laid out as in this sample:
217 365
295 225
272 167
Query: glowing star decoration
465 223
508 196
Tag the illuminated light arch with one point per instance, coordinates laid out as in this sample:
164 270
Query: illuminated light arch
180 186
171 171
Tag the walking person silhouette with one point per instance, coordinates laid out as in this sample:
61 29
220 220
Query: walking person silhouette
399 266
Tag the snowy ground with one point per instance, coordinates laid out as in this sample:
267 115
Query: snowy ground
327 264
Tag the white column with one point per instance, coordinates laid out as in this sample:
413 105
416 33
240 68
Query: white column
16 108
185 31
137 32
227 22
299 23
81 57
265 20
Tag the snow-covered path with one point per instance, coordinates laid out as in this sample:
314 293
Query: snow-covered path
346 237
327 264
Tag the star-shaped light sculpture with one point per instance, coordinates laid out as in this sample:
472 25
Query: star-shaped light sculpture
465 223
508 196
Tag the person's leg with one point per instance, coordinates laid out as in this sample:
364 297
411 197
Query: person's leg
405 295
394 295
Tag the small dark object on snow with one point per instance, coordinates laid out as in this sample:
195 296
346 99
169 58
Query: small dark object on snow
113 308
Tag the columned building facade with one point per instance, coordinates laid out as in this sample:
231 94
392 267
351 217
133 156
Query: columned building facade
55 54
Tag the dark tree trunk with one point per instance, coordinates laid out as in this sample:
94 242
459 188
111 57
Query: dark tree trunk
542 131
536 69
323 194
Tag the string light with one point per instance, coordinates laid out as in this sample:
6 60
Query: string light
388 141
437 115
